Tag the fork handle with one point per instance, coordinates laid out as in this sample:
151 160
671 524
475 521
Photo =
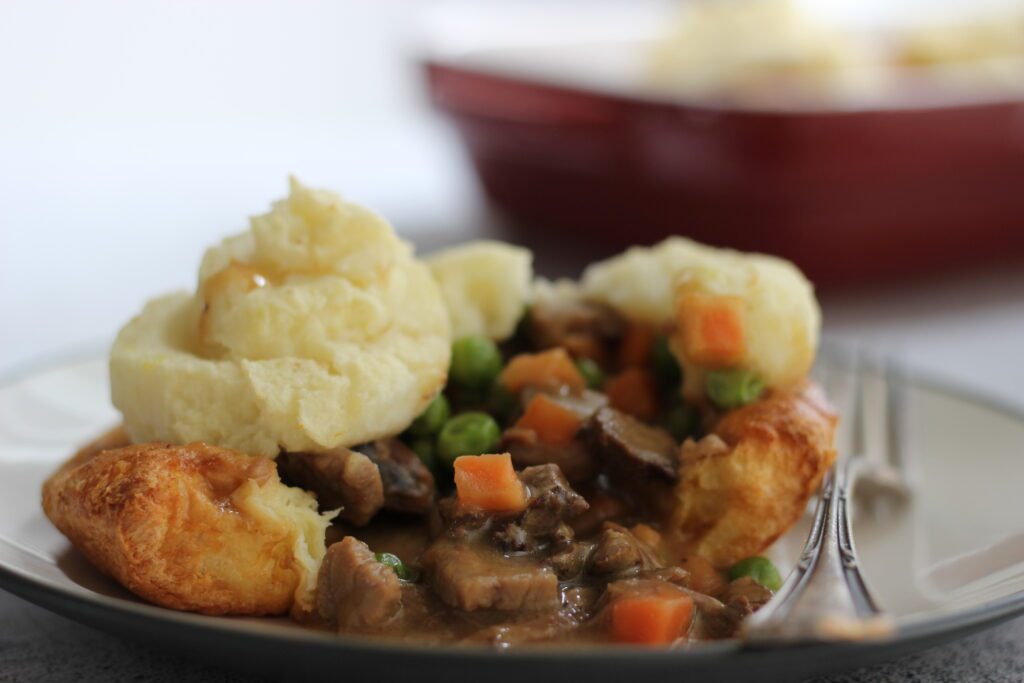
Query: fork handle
825 597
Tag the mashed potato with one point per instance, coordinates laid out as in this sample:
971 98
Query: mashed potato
762 51
640 281
780 316
315 329
485 286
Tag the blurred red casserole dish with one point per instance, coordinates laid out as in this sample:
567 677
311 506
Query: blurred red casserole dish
850 196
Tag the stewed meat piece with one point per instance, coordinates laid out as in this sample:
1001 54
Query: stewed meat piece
354 591
632 449
619 552
576 459
571 560
497 561
341 478
381 474
551 504
746 595
552 501
475 577
408 484
583 328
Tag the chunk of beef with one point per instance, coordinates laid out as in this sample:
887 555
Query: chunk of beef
460 524
354 591
512 538
746 595
575 459
408 484
472 578
631 448
583 328
672 574
552 501
619 552
603 508
340 478
570 561
542 523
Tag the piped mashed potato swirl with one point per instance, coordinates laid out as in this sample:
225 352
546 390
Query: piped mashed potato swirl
317 328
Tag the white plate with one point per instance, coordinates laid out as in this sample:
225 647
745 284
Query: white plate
949 561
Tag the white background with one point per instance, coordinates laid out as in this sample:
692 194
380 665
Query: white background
133 134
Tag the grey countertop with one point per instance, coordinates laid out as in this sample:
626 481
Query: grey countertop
36 645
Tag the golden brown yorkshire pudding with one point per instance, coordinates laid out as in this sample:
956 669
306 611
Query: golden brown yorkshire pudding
746 483
191 527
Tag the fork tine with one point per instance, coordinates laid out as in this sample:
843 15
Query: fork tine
896 410
836 374
878 444
858 436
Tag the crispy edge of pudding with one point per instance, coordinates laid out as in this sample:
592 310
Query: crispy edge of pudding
747 482
194 527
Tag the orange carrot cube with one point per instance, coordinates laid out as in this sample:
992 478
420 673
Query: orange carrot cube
554 423
651 619
634 391
489 482
549 369
712 329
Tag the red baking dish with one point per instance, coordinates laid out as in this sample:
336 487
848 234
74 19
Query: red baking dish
850 196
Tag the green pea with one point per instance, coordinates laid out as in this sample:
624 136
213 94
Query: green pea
476 362
432 419
666 367
682 421
424 448
467 434
592 373
730 389
393 561
758 568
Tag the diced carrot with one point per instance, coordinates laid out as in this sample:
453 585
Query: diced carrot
704 578
489 482
647 534
581 345
651 619
712 329
636 345
634 391
554 423
548 369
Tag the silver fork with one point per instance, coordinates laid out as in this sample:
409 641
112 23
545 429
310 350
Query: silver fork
825 597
